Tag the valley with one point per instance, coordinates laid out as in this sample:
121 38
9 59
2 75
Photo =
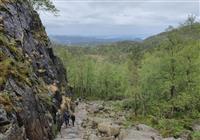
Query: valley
113 88
156 80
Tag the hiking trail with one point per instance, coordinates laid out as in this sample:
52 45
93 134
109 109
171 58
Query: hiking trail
98 121
76 132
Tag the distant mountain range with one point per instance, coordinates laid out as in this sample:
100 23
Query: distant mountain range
88 41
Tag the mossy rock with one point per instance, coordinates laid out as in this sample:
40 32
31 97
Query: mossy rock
5 68
11 45
6 102
46 100
19 70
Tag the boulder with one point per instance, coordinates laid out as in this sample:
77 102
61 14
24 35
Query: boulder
196 127
93 137
95 107
3 117
145 128
114 130
109 129
91 122
122 135
104 127
185 135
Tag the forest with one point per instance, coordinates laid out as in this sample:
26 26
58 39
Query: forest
157 79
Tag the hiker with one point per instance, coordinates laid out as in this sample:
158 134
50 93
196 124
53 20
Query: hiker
72 106
72 116
59 121
66 117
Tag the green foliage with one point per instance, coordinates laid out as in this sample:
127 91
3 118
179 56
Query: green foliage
185 31
172 71
46 5
95 76
170 127
170 83
191 20
195 136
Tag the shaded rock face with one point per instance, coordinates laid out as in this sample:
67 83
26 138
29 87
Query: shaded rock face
27 66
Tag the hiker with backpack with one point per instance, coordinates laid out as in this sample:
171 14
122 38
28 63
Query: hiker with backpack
66 117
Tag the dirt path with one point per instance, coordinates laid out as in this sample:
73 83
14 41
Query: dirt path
76 132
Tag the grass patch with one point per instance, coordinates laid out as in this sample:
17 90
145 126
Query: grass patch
166 127
195 136
170 127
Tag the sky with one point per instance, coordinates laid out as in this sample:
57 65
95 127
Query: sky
114 18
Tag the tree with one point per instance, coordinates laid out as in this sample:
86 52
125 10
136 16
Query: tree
169 78
134 66
169 28
46 5
190 20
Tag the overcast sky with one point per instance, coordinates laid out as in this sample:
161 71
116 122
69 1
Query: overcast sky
136 18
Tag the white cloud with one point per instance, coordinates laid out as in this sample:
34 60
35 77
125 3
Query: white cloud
99 13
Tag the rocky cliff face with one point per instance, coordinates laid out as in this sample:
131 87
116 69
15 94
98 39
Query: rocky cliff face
32 79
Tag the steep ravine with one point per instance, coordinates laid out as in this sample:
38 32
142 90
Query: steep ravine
32 78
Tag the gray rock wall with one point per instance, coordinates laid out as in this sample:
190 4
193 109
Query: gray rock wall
32 78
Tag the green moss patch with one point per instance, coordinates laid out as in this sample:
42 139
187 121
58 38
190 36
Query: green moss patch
6 102
9 67
11 45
